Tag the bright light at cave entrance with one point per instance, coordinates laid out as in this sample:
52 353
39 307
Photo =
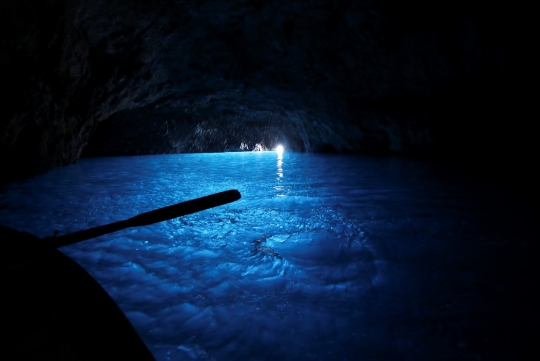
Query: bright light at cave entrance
279 149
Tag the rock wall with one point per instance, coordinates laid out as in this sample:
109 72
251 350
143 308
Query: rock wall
165 76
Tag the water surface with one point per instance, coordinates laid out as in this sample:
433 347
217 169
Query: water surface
324 257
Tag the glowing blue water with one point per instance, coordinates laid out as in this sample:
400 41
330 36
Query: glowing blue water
323 258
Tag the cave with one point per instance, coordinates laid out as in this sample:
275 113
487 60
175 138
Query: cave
413 91
371 77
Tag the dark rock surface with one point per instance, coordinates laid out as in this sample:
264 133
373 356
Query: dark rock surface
377 77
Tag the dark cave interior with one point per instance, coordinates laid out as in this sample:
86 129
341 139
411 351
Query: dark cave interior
443 82
99 78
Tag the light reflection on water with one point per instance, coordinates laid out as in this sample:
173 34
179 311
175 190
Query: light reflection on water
279 173
324 257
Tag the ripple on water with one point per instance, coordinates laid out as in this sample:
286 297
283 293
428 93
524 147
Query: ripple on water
326 262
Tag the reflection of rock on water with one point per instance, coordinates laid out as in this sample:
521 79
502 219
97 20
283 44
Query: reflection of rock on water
268 251
261 248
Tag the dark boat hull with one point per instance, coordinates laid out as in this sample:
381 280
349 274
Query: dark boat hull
54 310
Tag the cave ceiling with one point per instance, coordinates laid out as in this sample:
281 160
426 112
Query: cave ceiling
122 77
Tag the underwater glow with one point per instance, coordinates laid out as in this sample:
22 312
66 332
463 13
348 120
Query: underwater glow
323 257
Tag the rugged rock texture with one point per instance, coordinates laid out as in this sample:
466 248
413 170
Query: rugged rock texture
168 76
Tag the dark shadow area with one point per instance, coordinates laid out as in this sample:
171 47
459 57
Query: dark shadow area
55 310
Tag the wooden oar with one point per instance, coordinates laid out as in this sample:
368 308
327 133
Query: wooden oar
144 219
